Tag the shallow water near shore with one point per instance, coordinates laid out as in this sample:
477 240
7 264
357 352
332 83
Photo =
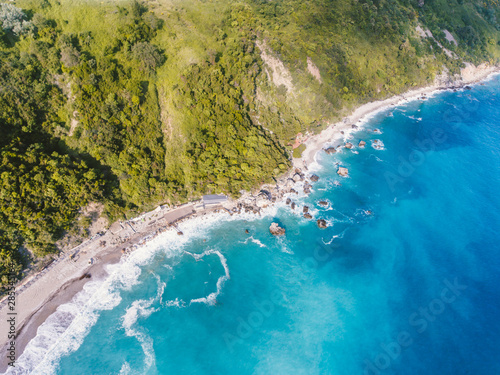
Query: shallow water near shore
405 280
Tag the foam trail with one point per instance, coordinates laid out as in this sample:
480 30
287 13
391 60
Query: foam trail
64 331
142 308
255 241
211 299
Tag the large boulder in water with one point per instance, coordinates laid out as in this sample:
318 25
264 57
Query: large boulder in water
314 178
348 145
330 150
322 223
344 172
305 209
276 230
362 144
308 215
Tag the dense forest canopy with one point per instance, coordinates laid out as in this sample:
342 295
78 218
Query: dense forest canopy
135 104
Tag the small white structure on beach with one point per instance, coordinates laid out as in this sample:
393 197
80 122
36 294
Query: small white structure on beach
212 200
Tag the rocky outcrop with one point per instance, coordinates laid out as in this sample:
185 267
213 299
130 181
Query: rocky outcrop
348 145
330 150
322 223
362 144
276 230
323 203
292 206
305 209
377 144
307 215
344 172
314 178
288 201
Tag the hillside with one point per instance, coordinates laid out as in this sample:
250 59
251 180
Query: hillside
138 104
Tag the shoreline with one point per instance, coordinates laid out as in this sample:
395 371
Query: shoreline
63 279
469 75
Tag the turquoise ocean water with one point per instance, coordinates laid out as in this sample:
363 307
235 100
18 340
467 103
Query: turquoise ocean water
405 280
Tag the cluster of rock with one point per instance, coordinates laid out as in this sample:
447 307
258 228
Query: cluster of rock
276 230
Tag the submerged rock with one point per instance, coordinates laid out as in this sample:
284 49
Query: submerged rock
276 230
344 172
377 144
308 215
322 223
314 178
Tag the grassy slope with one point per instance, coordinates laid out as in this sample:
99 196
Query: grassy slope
208 119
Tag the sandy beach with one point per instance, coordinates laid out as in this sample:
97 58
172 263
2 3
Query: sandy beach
38 297
343 128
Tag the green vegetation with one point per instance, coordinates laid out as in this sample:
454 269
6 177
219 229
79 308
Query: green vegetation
139 104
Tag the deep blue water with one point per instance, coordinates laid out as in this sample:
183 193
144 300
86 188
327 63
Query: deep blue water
412 288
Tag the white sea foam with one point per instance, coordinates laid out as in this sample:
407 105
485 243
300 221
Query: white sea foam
340 235
63 332
211 299
142 308
125 370
255 241
175 302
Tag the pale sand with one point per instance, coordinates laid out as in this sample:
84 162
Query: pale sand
470 74
61 282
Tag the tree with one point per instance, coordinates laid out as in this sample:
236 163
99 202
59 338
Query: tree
148 54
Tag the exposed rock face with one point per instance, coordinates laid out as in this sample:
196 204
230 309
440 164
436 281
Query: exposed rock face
362 144
344 172
305 209
314 178
348 145
276 230
308 216
322 223
330 150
